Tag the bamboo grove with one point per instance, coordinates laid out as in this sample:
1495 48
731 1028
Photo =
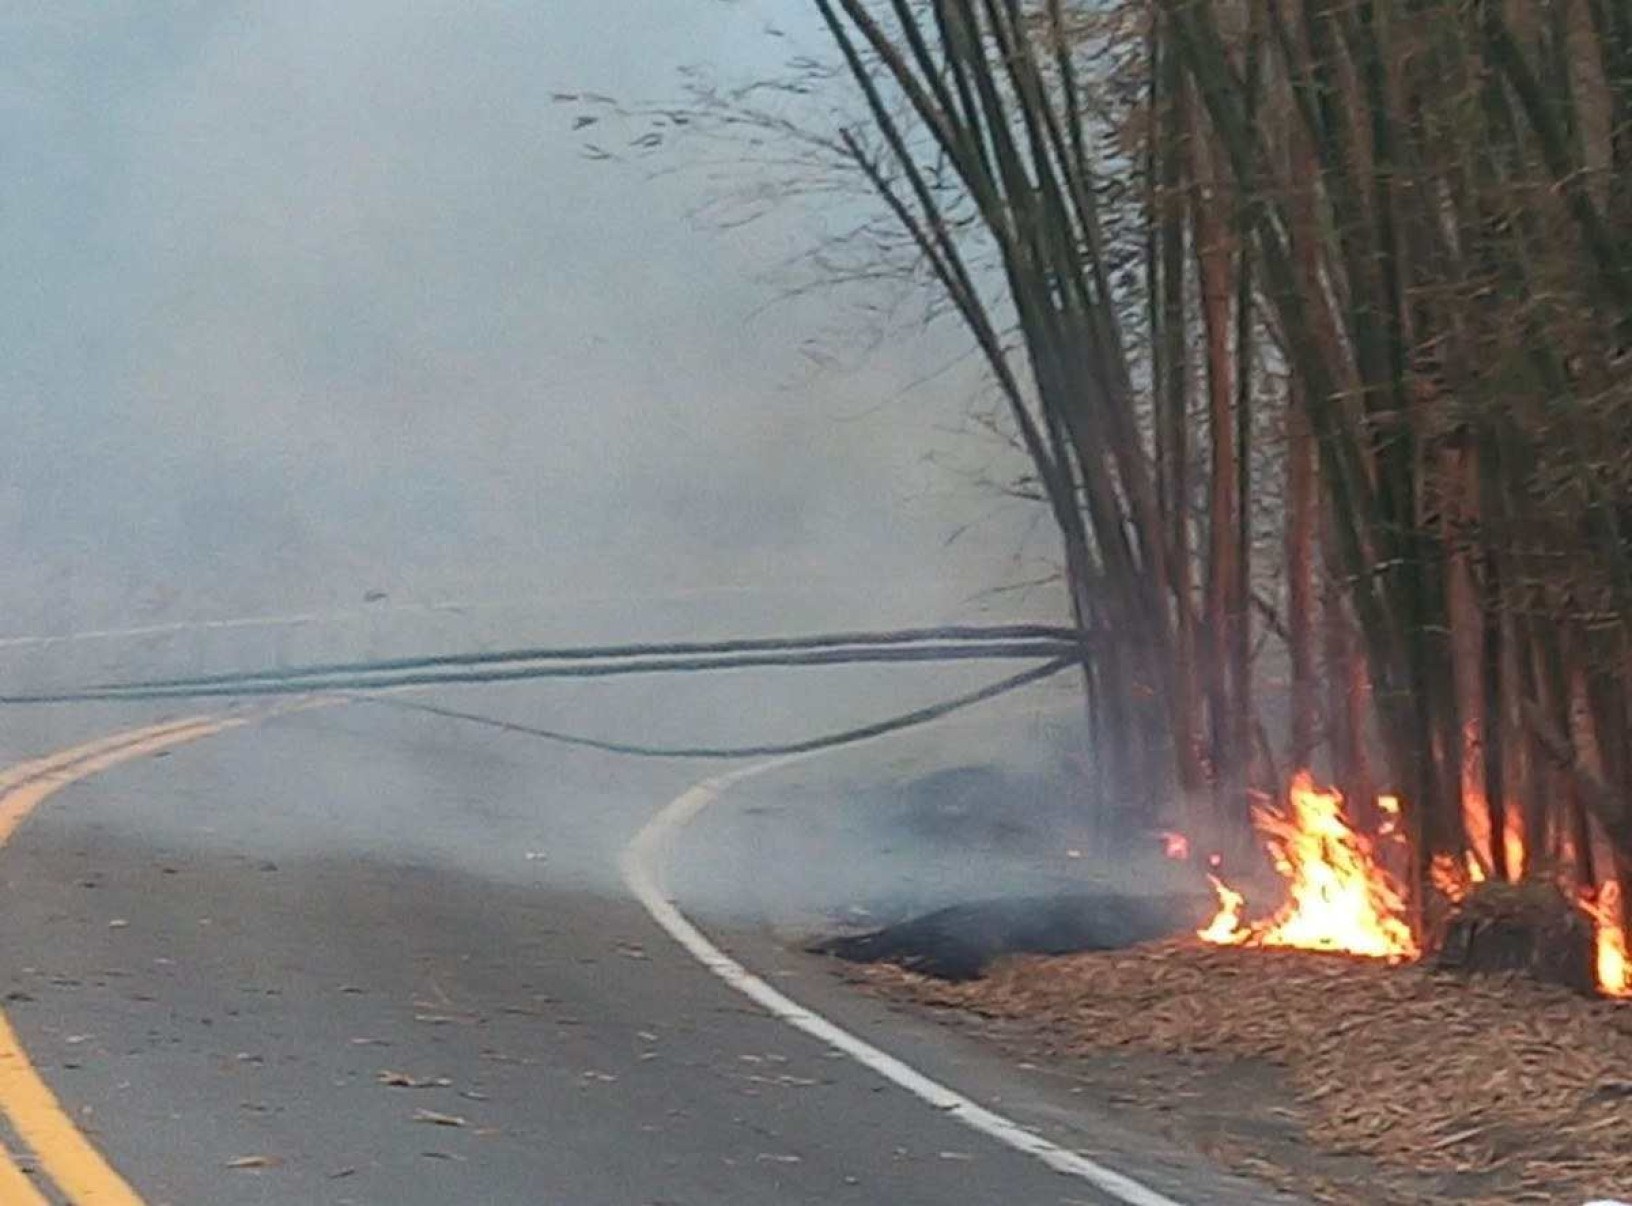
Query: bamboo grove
1314 318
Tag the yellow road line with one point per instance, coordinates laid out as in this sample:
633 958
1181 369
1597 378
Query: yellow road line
21 772
64 1153
15 1187
22 783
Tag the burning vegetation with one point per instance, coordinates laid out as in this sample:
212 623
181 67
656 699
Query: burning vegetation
1343 891
1339 896
1435 447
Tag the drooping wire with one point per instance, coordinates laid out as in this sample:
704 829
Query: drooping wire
893 724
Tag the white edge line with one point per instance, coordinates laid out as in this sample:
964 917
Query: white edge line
640 866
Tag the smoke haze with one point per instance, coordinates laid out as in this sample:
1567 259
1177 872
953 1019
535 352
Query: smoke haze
311 300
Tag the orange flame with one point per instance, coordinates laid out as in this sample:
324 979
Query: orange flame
1339 898
1513 841
1176 846
1446 877
1450 879
1476 822
1225 929
1389 806
1614 967
1454 881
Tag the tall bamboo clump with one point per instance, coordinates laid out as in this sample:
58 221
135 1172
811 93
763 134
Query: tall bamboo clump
1450 288
1324 310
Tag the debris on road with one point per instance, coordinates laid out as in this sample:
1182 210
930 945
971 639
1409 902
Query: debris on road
401 1080
446 1019
253 1162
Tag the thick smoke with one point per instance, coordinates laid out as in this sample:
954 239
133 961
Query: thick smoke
315 300
314 303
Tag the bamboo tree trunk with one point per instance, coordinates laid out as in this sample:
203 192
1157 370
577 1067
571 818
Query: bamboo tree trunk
1467 652
1300 603
1495 716
1242 739
1169 348
1215 270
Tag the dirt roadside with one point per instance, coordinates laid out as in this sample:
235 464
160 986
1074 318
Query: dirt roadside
1344 1080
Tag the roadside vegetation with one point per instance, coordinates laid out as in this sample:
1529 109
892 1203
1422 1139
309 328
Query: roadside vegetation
1313 322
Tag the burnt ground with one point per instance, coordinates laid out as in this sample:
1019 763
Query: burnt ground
961 941
1345 1081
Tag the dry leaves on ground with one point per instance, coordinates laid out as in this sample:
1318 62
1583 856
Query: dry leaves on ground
1414 1069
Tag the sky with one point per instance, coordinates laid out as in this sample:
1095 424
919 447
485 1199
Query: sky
308 300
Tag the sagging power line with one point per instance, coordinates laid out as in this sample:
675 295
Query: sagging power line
894 724
955 643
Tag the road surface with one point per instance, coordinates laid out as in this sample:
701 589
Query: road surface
359 955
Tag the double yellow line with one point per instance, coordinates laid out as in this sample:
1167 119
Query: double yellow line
64 1155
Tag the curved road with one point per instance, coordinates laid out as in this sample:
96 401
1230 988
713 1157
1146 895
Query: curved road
358 955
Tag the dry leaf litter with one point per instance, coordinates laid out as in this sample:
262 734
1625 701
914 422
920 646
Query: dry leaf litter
1416 1070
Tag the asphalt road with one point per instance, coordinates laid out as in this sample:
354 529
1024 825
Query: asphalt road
225 955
